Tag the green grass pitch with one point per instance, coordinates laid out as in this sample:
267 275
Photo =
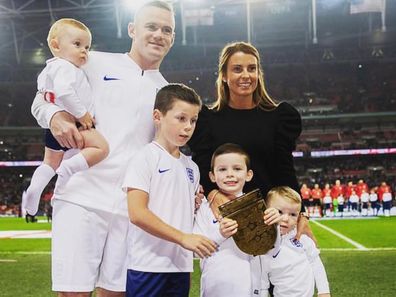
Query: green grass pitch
25 263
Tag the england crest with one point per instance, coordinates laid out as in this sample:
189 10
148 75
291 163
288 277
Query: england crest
296 242
190 174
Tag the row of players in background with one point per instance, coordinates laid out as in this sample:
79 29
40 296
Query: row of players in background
354 199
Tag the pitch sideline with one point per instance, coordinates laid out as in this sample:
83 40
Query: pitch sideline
345 238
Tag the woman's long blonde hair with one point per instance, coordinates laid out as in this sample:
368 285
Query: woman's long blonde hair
260 95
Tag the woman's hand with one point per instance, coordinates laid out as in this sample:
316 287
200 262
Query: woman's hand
199 196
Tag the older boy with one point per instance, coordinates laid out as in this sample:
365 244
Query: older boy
161 183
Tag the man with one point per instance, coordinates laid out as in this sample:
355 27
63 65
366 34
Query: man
90 219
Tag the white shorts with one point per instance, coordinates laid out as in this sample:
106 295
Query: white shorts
89 249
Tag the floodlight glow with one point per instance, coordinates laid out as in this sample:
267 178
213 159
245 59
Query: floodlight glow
38 56
133 5
331 3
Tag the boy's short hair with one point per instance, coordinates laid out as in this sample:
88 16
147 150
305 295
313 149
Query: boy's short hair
167 96
284 192
230 148
60 24
155 3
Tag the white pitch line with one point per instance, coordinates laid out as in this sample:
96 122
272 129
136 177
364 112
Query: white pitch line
7 261
347 239
26 253
355 250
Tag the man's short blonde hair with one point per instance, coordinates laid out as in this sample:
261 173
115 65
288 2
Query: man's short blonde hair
60 24
285 193
154 3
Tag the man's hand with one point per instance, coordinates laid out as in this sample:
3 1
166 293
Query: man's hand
86 121
64 129
228 227
200 245
304 228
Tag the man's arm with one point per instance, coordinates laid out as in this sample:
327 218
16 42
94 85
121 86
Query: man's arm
61 123
141 216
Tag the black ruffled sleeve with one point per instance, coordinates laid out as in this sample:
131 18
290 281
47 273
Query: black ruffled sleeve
289 128
201 147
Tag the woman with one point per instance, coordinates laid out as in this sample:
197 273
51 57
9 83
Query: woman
245 114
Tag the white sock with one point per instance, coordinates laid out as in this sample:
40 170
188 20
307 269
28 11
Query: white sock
67 169
40 179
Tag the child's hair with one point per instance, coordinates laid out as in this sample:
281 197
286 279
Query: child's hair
156 3
167 95
285 193
60 24
229 148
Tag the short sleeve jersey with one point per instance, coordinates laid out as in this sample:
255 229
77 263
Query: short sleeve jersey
171 184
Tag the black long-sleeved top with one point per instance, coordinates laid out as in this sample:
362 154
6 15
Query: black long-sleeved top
269 137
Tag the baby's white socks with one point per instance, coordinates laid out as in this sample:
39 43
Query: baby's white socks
67 169
40 179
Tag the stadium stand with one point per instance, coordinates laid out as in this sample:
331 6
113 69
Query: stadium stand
344 86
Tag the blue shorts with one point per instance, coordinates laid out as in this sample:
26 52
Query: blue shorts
150 284
52 143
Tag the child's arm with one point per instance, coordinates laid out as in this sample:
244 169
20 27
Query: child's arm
141 216
86 121
318 269
43 111
204 224
260 277
228 227
65 85
272 216
321 281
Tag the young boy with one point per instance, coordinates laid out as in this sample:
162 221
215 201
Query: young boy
65 84
227 272
327 200
161 183
340 205
354 201
364 198
373 202
295 267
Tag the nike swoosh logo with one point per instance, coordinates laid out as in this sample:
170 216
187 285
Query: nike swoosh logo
163 170
110 78
274 256
215 221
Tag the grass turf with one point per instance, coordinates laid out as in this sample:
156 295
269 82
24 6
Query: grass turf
14 224
371 233
350 273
